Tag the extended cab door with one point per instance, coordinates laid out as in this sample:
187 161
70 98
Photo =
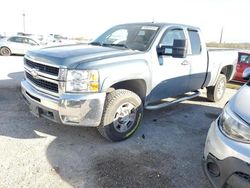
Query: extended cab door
197 60
170 76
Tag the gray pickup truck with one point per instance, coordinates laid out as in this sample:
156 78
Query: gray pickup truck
107 83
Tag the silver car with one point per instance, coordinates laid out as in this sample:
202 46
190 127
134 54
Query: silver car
226 159
17 45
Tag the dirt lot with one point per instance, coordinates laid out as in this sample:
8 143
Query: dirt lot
166 151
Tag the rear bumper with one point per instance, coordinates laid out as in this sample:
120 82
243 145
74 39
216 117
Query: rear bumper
69 108
226 163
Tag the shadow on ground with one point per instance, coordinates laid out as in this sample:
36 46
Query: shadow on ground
13 81
166 151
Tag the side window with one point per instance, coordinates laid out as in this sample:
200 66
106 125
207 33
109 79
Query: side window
16 39
25 40
247 59
13 39
195 41
244 58
170 36
32 42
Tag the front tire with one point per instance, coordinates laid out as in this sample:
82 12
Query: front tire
216 93
122 114
4 51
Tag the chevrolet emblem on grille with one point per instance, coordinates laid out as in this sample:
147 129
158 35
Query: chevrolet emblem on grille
34 73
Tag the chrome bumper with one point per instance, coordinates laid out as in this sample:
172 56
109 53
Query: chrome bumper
69 108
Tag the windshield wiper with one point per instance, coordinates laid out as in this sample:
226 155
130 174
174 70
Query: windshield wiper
107 44
96 43
118 45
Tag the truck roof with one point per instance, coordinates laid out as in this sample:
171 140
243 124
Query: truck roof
162 24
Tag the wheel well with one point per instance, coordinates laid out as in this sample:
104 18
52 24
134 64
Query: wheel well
137 86
227 71
4 47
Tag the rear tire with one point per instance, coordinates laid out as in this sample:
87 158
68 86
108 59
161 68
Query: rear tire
216 93
122 114
5 51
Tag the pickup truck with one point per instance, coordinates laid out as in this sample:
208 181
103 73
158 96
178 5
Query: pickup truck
107 83
242 64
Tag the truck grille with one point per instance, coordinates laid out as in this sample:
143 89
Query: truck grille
244 176
42 83
42 68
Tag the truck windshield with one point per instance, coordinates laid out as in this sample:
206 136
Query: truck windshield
131 36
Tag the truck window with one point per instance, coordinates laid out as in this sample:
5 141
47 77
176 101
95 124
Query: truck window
244 58
170 36
195 41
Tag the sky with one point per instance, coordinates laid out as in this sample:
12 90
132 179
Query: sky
89 18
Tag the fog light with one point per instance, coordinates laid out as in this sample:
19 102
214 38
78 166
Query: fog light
71 119
213 168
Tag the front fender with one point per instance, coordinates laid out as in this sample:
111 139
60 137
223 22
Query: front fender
127 72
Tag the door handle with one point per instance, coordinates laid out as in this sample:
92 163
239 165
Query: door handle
185 62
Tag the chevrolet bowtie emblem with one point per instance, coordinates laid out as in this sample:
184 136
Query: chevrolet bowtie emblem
34 73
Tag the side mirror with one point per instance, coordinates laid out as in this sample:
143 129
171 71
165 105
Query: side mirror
246 74
178 50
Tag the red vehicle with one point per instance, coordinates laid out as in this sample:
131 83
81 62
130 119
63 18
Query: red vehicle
243 63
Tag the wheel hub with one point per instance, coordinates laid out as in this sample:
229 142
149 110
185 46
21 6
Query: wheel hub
4 51
220 89
124 117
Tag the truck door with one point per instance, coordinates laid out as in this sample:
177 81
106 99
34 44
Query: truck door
170 75
197 59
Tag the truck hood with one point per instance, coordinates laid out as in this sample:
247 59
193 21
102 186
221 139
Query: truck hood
240 103
71 56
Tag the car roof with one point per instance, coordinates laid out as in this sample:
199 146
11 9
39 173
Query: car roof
20 36
28 37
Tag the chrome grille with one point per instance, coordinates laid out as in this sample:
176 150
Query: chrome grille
42 83
42 68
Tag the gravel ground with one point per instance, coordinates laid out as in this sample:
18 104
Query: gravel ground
166 150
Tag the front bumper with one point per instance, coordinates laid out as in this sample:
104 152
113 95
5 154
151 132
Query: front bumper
226 162
69 108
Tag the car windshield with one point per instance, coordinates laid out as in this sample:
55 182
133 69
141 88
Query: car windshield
130 36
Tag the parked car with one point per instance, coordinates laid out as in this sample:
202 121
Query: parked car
107 83
227 151
243 63
17 45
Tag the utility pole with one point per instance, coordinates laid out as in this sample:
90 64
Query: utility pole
23 22
221 35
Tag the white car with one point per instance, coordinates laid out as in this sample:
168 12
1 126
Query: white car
17 45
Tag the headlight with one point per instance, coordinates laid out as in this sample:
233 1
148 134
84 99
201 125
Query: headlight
82 81
234 127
